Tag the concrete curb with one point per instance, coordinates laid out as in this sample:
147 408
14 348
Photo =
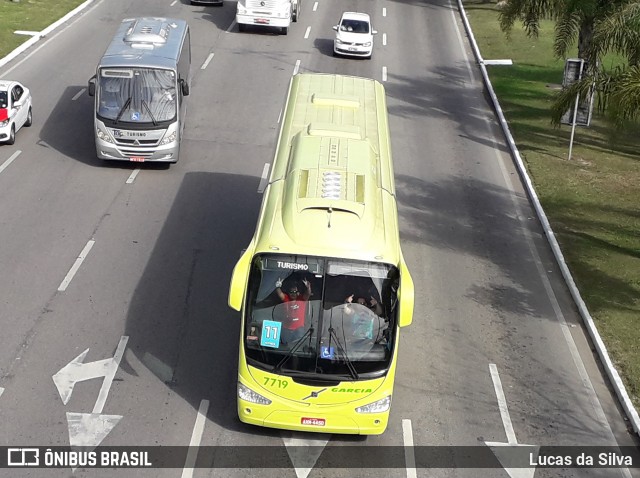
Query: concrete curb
36 38
612 373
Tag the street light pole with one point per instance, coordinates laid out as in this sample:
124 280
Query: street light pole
575 112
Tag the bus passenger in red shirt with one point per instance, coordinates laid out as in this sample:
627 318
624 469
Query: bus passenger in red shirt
295 307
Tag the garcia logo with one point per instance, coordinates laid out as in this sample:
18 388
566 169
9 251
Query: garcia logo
351 390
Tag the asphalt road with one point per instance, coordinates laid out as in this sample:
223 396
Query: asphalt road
496 351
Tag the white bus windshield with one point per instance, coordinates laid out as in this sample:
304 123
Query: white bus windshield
137 95
321 316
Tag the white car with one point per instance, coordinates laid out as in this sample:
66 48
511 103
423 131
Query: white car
354 35
15 109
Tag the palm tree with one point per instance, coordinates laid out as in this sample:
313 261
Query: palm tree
600 27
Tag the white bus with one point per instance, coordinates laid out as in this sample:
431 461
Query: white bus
273 13
139 88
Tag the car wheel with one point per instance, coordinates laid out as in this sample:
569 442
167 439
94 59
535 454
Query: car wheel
29 121
12 135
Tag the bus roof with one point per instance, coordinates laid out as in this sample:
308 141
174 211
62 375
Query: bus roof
331 190
146 42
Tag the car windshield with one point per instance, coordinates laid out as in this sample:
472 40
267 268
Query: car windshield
3 99
321 317
137 95
355 26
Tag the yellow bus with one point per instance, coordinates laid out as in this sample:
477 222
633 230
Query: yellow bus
323 288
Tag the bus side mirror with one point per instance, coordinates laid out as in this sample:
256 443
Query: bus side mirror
239 280
92 86
185 87
406 296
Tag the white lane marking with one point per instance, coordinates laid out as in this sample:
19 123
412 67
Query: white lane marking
502 405
6 164
132 176
207 61
233 24
464 51
78 94
76 265
384 39
263 178
280 116
384 73
315 6
173 3
196 437
1 391
26 32
306 34
296 68
409 454
384 12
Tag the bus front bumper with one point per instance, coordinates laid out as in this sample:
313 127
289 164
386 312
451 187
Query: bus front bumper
336 419
167 154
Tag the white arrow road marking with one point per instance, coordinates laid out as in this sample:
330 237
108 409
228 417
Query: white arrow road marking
511 455
76 371
304 452
89 429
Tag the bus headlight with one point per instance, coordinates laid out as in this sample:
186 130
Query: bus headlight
378 406
169 139
104 136
367 44
241 9
249 395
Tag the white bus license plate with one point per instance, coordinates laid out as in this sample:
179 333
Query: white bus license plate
318 422
137 159
262 21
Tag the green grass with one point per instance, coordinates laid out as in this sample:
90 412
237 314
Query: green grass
592 200
29 15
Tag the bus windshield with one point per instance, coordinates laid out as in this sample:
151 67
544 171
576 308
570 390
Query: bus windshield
137 95
321 317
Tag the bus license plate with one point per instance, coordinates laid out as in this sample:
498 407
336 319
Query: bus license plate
318 422
137 159
262 21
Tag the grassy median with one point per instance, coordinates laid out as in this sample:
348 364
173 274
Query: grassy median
592 200
29 15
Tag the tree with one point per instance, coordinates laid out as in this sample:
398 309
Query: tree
600 27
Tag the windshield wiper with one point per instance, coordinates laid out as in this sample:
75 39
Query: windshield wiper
293 349
347 360
124 107
144 103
